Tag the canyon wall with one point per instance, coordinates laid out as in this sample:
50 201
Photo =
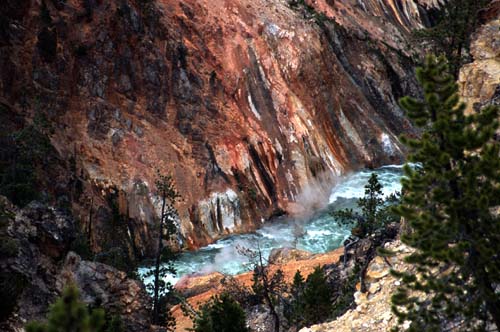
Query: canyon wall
244 102
479 80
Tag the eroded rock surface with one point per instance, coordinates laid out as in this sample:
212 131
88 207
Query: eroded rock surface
480 80
244 102
42 267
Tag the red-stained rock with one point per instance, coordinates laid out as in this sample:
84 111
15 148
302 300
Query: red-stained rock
244 102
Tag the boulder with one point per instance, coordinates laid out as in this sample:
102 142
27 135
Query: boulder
112 289
42 267
286 255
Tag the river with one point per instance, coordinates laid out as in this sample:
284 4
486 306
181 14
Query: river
318 233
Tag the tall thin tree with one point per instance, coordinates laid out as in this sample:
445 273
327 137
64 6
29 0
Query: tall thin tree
164 255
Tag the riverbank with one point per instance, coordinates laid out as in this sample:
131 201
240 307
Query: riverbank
201 288
317 232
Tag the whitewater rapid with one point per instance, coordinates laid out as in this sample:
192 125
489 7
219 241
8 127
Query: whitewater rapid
318 233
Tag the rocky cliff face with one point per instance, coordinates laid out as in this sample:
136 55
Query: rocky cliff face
245 102
480 80
41 267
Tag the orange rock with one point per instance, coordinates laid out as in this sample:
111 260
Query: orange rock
305 266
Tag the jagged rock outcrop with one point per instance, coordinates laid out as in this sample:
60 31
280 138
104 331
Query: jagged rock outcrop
42 267
244 102
480 80
372 312
112 289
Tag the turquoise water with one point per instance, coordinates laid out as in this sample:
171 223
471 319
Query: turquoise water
318 233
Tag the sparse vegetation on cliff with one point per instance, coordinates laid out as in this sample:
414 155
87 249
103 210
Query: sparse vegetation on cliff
69 314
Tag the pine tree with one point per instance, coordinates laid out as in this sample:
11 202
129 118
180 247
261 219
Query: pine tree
309 301
68 314
318 304
449 203
294 307
268 287
375 211
451 34
221 314
23 156
165 256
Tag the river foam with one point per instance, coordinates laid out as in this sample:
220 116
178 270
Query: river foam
318 233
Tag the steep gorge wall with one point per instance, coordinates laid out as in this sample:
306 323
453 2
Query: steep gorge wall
244 102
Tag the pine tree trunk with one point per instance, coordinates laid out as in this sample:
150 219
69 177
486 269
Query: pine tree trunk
156 296
267 295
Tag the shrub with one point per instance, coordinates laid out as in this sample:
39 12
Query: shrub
221 314
68 314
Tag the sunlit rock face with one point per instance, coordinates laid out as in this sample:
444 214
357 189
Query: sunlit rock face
480 80
243 102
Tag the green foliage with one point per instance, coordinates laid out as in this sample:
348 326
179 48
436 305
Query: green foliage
295 306
449 205
115 324
345 300
451 35
252 193
163 290
68 314
221 314
267 284
375 211
310 300
317 301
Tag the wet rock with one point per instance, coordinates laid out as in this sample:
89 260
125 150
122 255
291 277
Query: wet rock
221 212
